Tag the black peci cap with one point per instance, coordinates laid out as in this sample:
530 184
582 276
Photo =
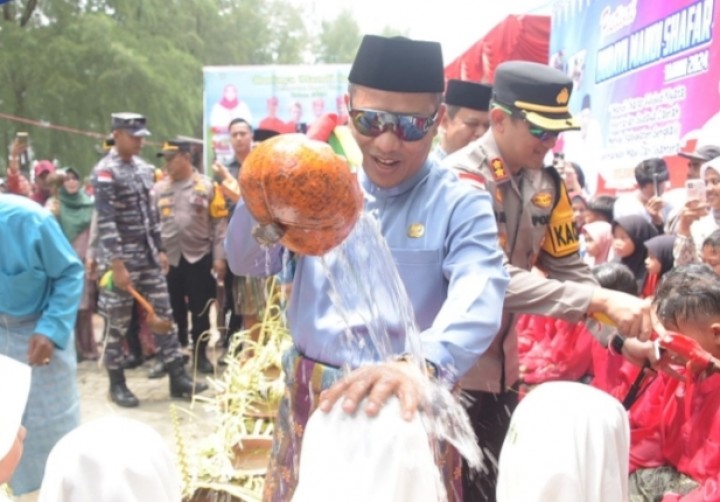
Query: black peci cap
398 64
468 94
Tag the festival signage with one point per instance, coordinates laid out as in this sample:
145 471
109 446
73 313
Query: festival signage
283 98
646 76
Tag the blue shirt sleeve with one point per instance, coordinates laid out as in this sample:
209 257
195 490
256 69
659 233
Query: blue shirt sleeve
65 274
245 256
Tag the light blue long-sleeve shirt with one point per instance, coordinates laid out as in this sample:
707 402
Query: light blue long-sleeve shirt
40 273
453 273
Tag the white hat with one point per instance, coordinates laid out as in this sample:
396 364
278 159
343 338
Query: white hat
15 378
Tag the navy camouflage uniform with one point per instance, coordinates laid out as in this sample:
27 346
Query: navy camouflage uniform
129 229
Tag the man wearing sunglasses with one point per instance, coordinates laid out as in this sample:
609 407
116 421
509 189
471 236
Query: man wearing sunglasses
528 111
466 117
443 239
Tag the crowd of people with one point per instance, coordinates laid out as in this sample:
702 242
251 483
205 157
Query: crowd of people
517 276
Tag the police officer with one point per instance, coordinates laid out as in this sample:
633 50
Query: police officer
466 115
193 225
529 108
129 238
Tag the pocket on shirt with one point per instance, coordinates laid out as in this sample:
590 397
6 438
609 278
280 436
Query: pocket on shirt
19 292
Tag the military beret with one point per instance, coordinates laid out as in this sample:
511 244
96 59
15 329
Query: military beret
468 95
539 92
398 64
135 123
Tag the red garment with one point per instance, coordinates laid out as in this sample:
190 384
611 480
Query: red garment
678 423
613 373
552 349
273 124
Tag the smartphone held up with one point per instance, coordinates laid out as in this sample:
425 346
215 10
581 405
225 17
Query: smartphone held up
696 190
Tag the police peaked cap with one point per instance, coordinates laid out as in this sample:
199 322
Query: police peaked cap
468 94
540 93
175 146
398 64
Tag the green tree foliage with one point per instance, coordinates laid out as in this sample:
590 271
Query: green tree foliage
339 39
73 63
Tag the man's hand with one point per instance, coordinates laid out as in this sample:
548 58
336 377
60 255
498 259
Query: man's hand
164 263
630 314
16 149
377 383
121 277
691 212
220 269
638 352
654 208
40 350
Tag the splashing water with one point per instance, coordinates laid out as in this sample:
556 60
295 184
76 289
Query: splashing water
366 287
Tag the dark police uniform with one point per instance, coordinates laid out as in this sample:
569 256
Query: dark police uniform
536 229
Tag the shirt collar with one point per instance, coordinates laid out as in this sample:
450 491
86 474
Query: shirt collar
399 189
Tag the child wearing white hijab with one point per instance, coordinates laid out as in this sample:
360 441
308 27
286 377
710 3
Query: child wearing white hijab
15 378
567 442
112 459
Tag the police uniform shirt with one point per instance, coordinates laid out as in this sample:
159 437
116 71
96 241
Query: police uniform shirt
187 228
523 206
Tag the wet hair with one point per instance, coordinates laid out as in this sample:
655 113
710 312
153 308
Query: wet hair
239 121
647 169
688 291
616 276
603 206
713 240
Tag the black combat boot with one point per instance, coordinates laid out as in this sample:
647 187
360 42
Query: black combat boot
202 363
181 385
119 393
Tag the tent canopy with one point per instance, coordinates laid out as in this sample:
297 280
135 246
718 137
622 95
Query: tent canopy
517 37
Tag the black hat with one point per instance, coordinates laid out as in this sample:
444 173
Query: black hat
133 122
175 146
703 154
260 135
539 92
398 64
468 95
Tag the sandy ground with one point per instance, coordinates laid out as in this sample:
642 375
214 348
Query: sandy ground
154 409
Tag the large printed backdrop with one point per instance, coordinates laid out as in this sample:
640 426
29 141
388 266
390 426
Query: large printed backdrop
284 98
646 76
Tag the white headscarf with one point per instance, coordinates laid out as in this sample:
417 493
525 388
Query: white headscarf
113 459
355 458
15 377
567 442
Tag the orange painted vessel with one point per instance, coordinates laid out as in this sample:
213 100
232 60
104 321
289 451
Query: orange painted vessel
301 192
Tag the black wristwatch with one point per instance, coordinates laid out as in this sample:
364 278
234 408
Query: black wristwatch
616 344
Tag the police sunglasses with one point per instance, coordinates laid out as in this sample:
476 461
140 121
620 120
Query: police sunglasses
536 132
373 123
